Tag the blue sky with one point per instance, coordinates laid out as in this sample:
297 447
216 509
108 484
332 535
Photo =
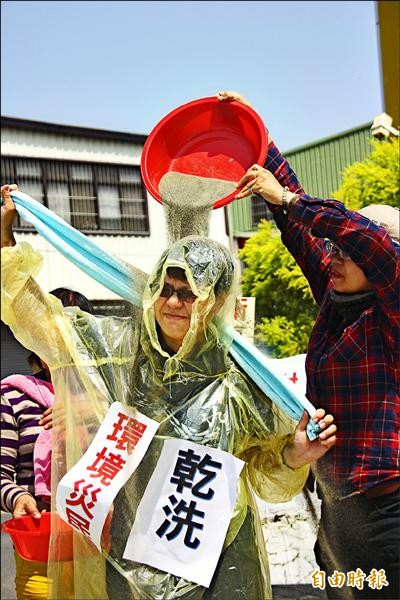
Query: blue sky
310 69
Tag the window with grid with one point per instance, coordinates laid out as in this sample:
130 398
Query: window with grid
91 197
259 211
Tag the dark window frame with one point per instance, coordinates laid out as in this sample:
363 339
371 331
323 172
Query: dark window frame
95 168
259 211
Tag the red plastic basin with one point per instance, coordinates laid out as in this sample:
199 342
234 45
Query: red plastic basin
205 138
31 537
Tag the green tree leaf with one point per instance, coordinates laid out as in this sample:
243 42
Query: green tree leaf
375 180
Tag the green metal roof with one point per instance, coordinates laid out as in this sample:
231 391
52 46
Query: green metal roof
318 165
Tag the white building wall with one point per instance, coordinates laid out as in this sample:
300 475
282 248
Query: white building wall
35 144
140 251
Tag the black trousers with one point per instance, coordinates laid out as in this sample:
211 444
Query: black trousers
361 533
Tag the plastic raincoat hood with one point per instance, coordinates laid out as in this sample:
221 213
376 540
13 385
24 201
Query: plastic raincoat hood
209 271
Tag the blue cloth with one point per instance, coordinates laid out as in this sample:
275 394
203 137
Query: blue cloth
99 264
118 277
264 372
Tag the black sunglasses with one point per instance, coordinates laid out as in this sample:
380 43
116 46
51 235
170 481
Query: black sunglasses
183 294
331 248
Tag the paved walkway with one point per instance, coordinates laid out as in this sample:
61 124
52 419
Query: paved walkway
290 530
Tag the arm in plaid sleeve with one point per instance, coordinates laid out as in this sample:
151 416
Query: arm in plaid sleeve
280 168
306 249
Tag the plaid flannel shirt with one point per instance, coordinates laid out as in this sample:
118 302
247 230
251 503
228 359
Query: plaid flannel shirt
352 372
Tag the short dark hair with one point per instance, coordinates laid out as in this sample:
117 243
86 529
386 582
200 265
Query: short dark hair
177 273
72 298
68 298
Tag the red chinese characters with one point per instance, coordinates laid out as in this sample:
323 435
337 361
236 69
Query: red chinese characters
126 432
129 433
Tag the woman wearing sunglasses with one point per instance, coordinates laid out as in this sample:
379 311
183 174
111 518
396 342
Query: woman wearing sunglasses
352 369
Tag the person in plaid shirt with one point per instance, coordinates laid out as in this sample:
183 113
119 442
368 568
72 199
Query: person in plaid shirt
351 261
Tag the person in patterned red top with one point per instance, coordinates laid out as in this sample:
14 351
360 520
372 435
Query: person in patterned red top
351 261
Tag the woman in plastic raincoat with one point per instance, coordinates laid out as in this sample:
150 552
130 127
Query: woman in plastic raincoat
172 364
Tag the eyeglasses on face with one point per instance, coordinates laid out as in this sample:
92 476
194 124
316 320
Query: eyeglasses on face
332 249
183 294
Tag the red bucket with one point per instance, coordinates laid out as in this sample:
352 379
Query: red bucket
31 537
206 138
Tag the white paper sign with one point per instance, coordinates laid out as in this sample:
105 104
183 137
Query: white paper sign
184 515
86 493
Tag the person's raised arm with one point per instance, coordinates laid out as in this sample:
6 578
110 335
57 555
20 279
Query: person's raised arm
30 313
307 250
276 181
274 161
8 216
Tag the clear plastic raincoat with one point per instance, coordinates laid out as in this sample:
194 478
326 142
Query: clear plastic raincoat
197 394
